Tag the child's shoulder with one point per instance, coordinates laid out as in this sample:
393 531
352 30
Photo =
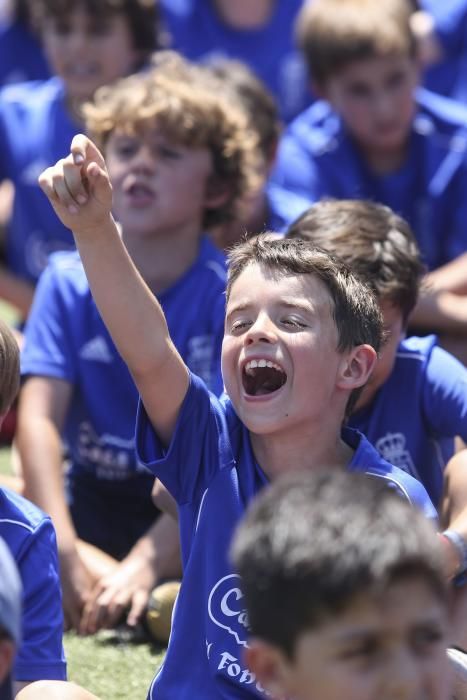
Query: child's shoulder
19 515
65 272
439 114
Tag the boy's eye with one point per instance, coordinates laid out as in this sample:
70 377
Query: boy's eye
293 322
126 149
169 152
396 80
239 325
426 638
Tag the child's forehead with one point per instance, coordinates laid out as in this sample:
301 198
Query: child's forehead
278 285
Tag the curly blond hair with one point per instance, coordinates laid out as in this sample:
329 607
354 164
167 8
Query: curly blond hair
186 103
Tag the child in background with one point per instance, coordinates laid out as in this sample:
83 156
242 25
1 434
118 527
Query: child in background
360 612
181 159
21 55
294 319
378 138
415 402
260 33
88 43
30 537
251 94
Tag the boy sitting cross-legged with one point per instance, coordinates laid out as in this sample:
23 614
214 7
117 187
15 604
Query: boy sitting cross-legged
179 156
345 592
301 335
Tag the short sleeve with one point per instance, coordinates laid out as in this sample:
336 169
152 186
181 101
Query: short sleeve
41 655
47 348
200 444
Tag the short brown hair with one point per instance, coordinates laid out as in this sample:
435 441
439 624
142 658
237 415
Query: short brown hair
142 17
9 367
354 308
377 244
184 101
333 33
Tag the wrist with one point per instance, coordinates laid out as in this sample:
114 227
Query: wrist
455 548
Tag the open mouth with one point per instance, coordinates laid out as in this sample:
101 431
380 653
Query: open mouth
262 377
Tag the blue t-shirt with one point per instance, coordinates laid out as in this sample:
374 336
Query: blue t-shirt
197 31
450 23
65 338
415 415
21 56
210 470
30 536
317 158
35 131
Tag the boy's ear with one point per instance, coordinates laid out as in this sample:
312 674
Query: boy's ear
357 366
270 667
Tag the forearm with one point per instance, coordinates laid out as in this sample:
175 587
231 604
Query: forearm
440 312
41 453
160 547
121 294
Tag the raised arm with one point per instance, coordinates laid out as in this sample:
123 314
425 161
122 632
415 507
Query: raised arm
80 192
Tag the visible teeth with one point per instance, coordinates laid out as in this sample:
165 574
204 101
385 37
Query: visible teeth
252 364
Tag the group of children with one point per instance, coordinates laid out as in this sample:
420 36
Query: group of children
288 359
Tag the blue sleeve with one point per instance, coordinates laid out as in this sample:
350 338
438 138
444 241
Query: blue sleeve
47 348
41 655
445 395
199 448
217 383
5 158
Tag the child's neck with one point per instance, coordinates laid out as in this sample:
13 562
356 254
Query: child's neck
385 162
316 449
164 258
245 14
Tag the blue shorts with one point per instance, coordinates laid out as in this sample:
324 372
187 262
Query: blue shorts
111 515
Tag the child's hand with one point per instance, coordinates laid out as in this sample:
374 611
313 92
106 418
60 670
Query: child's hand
79 188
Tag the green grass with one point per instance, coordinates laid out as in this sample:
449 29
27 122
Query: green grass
106 664
110 668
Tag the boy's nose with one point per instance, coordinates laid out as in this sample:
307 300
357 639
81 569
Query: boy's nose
403 680
262 330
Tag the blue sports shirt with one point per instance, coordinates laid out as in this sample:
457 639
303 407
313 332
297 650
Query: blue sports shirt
30 536
317 158
415 415
35 131
65 338
198 32
210 470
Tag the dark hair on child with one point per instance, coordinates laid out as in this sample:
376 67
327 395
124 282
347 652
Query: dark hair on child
355 311
377 244
312 542
142 16
254 96
9 367
334 33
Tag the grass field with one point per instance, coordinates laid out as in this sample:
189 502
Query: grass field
108 665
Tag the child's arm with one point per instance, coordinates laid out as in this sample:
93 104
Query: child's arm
80 192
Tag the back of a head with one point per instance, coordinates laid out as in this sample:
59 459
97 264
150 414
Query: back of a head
334 33
142 17
312 542
9 368
181 100
377 244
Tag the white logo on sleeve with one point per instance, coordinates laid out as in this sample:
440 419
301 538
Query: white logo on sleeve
97 350
225 608
392 447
